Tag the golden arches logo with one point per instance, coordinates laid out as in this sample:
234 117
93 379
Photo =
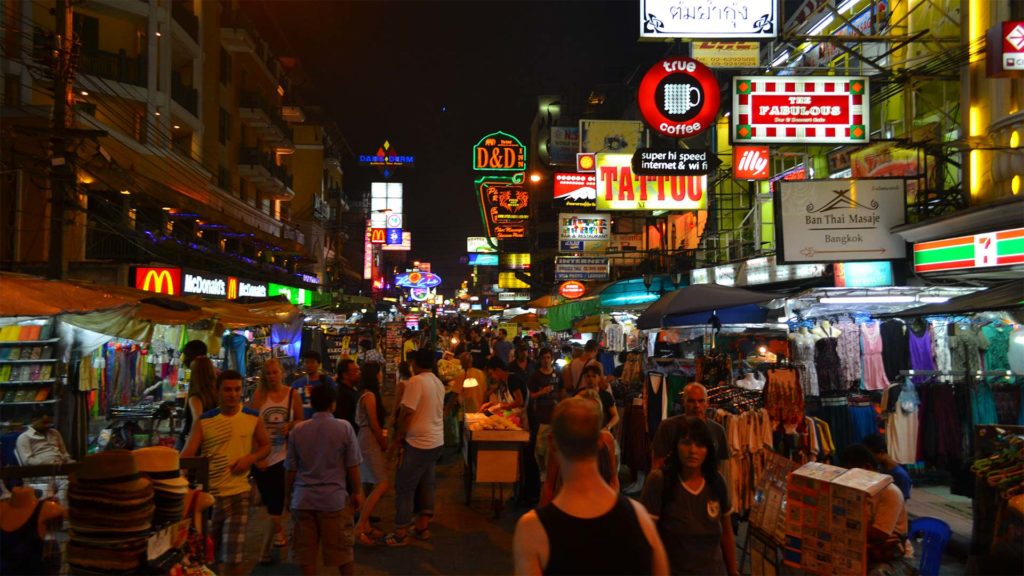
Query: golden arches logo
159 281
232 288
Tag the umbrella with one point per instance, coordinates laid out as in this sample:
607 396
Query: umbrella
700 298
527 321
545 301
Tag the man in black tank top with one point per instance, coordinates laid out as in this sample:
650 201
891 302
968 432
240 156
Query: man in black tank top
588 528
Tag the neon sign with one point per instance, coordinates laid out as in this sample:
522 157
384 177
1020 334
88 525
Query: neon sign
417 280
386 159
505 204
499 152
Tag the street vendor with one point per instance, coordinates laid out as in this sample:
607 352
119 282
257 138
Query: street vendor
508 391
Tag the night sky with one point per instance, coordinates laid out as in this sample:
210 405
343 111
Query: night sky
434 77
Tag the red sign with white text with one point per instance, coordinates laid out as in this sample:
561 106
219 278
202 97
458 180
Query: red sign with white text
572 289
792 110
751 163
575 190
679 97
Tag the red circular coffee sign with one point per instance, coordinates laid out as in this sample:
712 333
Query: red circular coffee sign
679 97
572 289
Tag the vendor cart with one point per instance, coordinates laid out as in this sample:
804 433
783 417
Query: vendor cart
491 456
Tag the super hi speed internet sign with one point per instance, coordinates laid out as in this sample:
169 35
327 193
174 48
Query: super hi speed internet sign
678 97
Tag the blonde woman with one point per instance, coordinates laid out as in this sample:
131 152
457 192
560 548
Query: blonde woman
202 394
280 407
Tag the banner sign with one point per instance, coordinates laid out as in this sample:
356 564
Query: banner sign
575 191
479 244
564 144
618 188
1003 248
159 280
506 206
609 136
677 162
661 19
836 220
297 296
751 163
583 232
204 284
727 54
800 110
404 246
679 97
499 152
576 268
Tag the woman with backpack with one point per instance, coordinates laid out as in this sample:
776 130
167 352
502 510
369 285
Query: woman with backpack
689 500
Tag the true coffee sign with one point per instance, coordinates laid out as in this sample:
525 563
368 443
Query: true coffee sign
800 110
679 98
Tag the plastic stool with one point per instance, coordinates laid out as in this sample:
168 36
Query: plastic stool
935 534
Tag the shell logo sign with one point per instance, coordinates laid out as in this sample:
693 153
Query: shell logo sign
158 280
572 289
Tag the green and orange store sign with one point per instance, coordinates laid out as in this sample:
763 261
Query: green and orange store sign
1003 248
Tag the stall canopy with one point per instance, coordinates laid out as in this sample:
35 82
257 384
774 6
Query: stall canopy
561 317
545 301
528 321
22 295
1005 296
633 293
702 298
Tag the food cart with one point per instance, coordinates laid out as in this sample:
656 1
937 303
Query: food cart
492 454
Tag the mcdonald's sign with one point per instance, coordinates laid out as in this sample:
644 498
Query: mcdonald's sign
378 236
159 280
232 288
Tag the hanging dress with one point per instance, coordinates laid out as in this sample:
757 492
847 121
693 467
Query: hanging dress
895 354
874 367
849 353
827 365
940 347
920 352
657 401
803 359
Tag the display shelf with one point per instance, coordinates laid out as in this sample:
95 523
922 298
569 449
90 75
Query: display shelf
51 401
30 361
28 342
26 382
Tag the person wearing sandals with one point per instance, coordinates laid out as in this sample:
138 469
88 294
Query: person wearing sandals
280 407
372 442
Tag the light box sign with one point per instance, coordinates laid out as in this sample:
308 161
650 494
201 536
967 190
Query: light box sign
499 152
584 232
479 245
575 191
476 259
580 268
238 288
609 136
572 289
509 281
564 144
1003 248
404 246
839 220
800 110
514 260
296 296
618 188
661 19
159 280
1004 49
727 54
862 274
506 206
751 162
679 161
755 271
204 284
679 97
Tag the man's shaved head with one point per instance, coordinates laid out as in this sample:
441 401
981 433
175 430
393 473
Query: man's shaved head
576 428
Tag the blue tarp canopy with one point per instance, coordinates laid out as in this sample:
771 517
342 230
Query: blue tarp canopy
632 292
702 299
746 314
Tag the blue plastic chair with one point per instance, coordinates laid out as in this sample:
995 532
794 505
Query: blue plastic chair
935 534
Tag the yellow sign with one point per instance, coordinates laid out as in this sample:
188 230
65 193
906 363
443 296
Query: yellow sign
727 54
618 188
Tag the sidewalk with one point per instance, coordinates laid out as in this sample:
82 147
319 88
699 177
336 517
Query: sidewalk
937 502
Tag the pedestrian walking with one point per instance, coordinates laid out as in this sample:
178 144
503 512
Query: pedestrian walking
588 528
304 384
373 443
323 470
233 439
349 377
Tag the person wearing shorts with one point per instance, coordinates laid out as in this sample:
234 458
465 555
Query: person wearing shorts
323 468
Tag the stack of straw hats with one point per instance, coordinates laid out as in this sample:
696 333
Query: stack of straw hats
111 512
163 468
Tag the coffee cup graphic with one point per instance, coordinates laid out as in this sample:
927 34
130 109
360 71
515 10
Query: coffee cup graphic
681 98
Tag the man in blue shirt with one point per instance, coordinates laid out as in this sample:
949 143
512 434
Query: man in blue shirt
305 384
887 464
323 468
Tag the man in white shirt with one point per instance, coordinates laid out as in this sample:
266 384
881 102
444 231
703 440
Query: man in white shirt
420 436
40 443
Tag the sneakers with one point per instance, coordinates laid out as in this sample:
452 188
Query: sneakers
393 540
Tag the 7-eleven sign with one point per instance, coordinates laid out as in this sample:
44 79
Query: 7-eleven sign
1003 248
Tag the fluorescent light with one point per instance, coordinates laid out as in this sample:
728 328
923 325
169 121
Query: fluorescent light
934 299
820 25
867 300
781 58
846 6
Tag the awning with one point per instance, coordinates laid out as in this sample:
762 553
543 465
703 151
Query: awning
700 298
23 295
632 293
1005 296
1008 213
561 317
545 301
527 321
588 324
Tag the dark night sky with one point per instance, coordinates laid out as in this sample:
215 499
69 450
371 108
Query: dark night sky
434 77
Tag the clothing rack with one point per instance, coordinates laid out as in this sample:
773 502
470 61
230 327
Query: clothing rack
991 376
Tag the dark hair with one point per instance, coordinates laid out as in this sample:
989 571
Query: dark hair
204 383
576 428
424 358
623 356
372 385
229 375
311 354
343 366
544 351
41 410
875 443
698 432
404 371
859 456
194 349
595 368
321 397
366 343
590 346
495 363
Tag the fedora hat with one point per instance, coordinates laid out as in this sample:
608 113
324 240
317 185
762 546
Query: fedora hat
163 466
114 470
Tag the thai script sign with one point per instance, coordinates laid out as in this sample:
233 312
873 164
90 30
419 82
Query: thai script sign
708 19
506 206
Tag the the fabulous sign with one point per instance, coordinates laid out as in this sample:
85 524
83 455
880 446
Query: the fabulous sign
204 284
800 110
159 280
506 206
689 162
837 220
708 19
679 97
575 191
1003 248
583 232
499 152
619 188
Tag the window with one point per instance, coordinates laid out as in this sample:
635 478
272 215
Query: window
225 67
223 126
223 178
88 30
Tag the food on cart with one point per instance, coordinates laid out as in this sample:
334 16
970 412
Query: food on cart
497 422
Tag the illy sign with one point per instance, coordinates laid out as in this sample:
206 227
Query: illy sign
679 98
750 163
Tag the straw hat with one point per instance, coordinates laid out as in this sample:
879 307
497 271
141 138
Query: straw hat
163 466
114 470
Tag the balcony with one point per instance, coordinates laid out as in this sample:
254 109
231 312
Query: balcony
119 67
185 18
238 34
259 168
266 121
186 96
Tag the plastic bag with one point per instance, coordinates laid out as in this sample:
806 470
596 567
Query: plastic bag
909 400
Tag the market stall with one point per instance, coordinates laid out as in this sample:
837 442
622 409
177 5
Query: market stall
492 455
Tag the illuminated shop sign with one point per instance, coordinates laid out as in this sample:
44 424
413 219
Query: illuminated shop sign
579 268
584 232
575 191
586 162
479 244
681 162
513 296
386 159
618 188
727 54
158 280
572 289
795 110
378 235
297 296
755 271
515 261
385 198
367 253
506 206
1005 49
499 152
862 274
509 281
1003 248
405 245
244 289
620 136
708 19
751 162
204 284
679 97
476 259
417 280
564 144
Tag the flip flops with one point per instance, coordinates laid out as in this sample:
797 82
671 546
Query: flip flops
393 540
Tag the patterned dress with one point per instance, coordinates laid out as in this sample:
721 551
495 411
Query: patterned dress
827 365
849 353
803 358
874 368
940 346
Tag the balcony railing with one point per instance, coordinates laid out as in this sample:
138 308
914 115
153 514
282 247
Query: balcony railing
187 20
119 67
187 96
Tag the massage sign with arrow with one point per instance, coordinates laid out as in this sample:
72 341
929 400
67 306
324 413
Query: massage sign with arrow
832 220
504 200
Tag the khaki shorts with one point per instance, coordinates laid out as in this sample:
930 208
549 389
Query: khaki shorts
331 532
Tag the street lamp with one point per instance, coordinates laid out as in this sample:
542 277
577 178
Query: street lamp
536 177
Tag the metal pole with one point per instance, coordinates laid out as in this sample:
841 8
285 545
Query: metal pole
60 168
